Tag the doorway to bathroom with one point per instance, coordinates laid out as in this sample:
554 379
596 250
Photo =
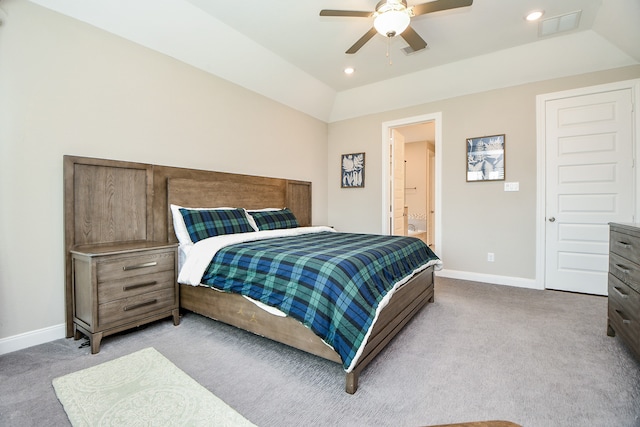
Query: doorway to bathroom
411 159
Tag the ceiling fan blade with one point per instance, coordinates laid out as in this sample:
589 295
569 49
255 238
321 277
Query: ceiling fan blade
415 41
357 45
349 13
438 5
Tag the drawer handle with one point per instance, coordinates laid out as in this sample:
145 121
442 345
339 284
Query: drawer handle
143 265
624 245
622 294
622 268
138 285
623 317
142 304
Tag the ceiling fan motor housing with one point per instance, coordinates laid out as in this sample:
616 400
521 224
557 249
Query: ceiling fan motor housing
390 3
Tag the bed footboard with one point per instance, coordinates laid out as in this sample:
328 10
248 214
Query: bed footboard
237 311
404 305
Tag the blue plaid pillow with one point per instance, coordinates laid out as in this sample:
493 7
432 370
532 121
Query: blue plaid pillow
272 220
202 224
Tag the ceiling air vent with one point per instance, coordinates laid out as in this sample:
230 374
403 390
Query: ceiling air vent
408 50
559 24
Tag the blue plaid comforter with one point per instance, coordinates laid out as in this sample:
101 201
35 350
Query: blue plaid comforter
340 279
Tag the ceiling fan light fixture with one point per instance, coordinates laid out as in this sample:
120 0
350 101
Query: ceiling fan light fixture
392 22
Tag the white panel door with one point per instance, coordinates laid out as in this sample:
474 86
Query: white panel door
397 141
589 183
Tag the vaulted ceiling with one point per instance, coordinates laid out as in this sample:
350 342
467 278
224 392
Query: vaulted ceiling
284 50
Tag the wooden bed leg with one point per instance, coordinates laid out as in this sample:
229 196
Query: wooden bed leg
352 382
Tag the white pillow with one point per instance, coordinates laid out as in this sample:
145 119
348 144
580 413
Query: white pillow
181 228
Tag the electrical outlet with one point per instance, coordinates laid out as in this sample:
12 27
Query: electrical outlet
491 257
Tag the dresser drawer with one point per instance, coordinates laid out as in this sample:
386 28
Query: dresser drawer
126 310
626 299
625 270
124 267
624 325
625 245
136 285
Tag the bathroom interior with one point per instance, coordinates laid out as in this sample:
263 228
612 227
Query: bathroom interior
419 156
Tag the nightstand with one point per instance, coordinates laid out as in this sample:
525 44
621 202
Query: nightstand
121 286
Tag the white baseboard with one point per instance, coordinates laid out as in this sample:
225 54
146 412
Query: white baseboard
518 282
29 339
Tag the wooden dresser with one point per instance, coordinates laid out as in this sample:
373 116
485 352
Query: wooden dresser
624 284
121 286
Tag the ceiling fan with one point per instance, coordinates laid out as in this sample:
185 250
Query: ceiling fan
392 18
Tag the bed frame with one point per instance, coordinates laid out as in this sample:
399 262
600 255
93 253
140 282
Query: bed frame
162 186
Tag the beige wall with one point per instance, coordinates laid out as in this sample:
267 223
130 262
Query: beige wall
477 217
68 88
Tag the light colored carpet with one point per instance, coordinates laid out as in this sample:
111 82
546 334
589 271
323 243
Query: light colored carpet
143 388
479 352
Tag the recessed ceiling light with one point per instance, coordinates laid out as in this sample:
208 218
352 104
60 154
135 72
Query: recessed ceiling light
349 70
534 15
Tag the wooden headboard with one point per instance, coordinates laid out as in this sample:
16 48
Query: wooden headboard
111 201
246 192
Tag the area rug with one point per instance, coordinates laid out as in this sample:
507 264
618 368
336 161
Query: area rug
141 389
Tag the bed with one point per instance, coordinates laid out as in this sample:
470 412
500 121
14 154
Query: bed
137 207
400 305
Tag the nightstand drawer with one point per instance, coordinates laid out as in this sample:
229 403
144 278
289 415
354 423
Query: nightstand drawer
625 245
126 310
120 268
136 285
625 270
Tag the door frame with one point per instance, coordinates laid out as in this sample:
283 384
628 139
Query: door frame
541 171
436 118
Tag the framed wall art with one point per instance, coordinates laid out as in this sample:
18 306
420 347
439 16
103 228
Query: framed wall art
485 158
352 170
